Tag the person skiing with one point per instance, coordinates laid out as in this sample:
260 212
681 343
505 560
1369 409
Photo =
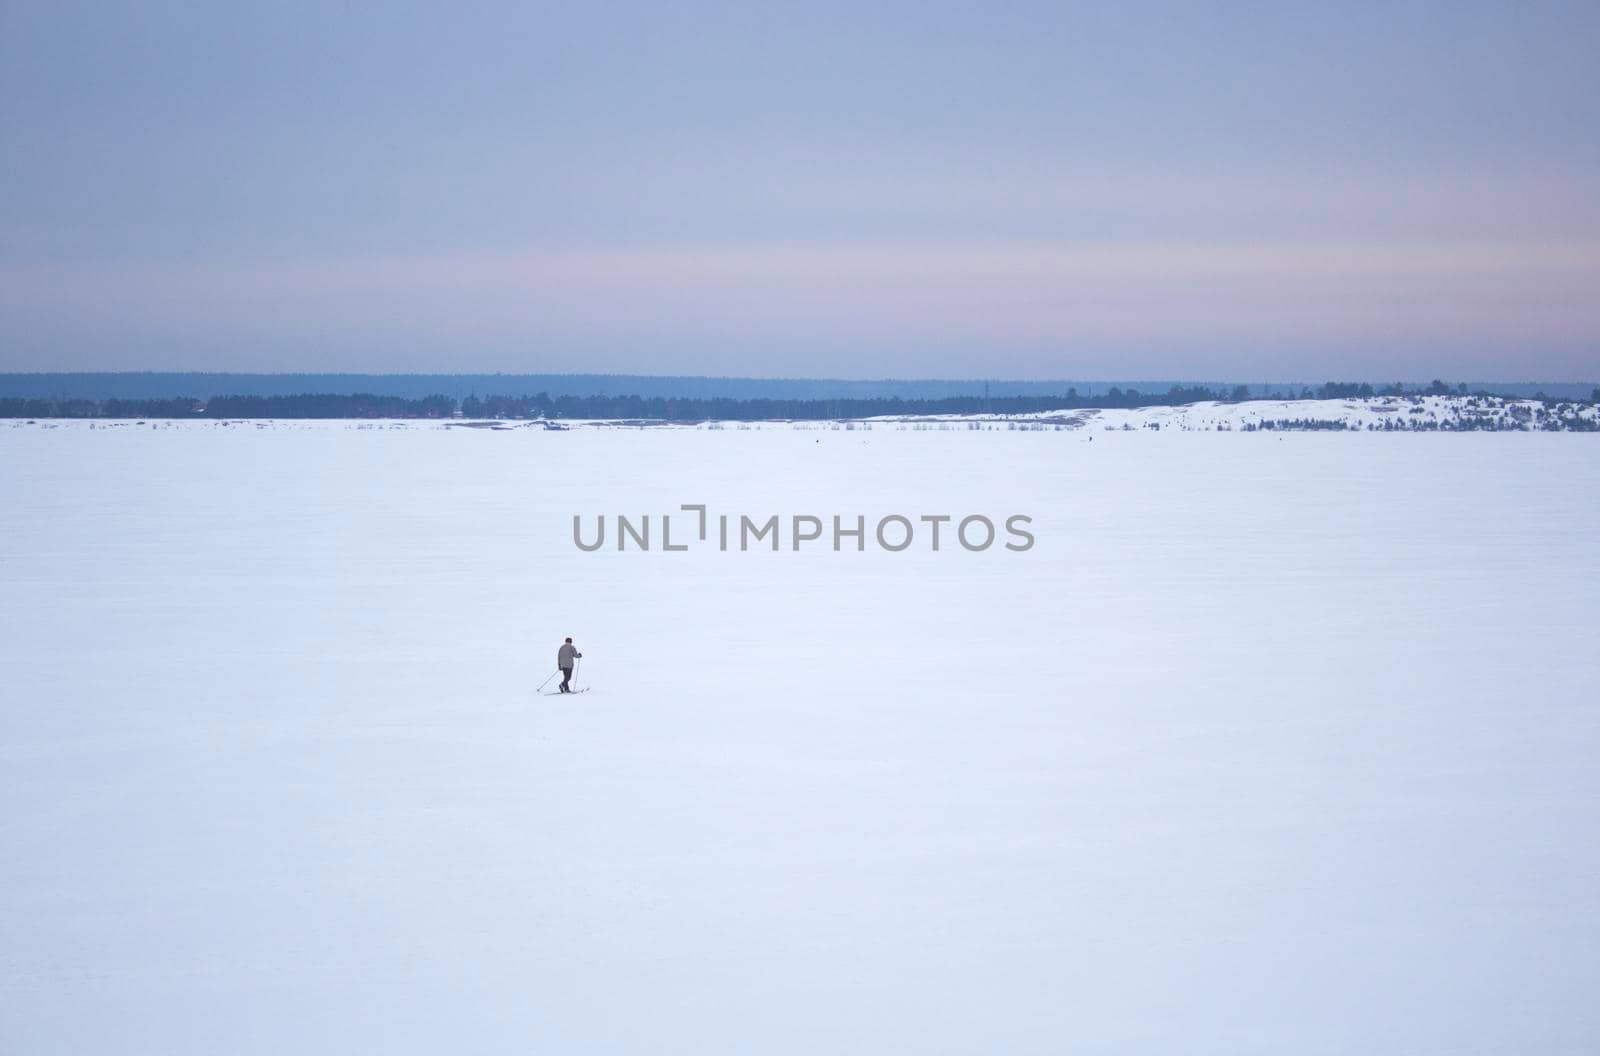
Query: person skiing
564 658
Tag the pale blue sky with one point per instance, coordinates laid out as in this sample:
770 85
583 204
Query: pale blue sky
1169 189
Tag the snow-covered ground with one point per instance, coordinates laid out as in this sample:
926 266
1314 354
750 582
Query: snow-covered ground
1380 412
1270 744
1405 413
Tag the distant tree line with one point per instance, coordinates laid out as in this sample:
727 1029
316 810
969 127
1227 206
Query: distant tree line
665 408
543 405
674 409
309 405
328 405
143 385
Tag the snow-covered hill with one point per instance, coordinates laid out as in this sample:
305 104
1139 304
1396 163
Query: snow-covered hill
1375 413
1404 413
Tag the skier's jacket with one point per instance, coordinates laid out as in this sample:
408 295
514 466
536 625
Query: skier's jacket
565 657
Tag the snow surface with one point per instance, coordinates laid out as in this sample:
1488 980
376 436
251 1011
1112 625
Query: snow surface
1272 744
1368 413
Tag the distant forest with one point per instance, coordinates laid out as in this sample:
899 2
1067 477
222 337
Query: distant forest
664 408
147 385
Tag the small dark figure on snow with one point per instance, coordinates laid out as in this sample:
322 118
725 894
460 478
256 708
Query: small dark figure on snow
564 658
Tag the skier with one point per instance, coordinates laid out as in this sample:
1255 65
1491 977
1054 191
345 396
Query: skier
564 658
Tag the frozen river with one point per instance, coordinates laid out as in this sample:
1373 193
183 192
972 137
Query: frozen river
1269 743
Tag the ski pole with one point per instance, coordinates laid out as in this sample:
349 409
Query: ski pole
546 682
577 662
